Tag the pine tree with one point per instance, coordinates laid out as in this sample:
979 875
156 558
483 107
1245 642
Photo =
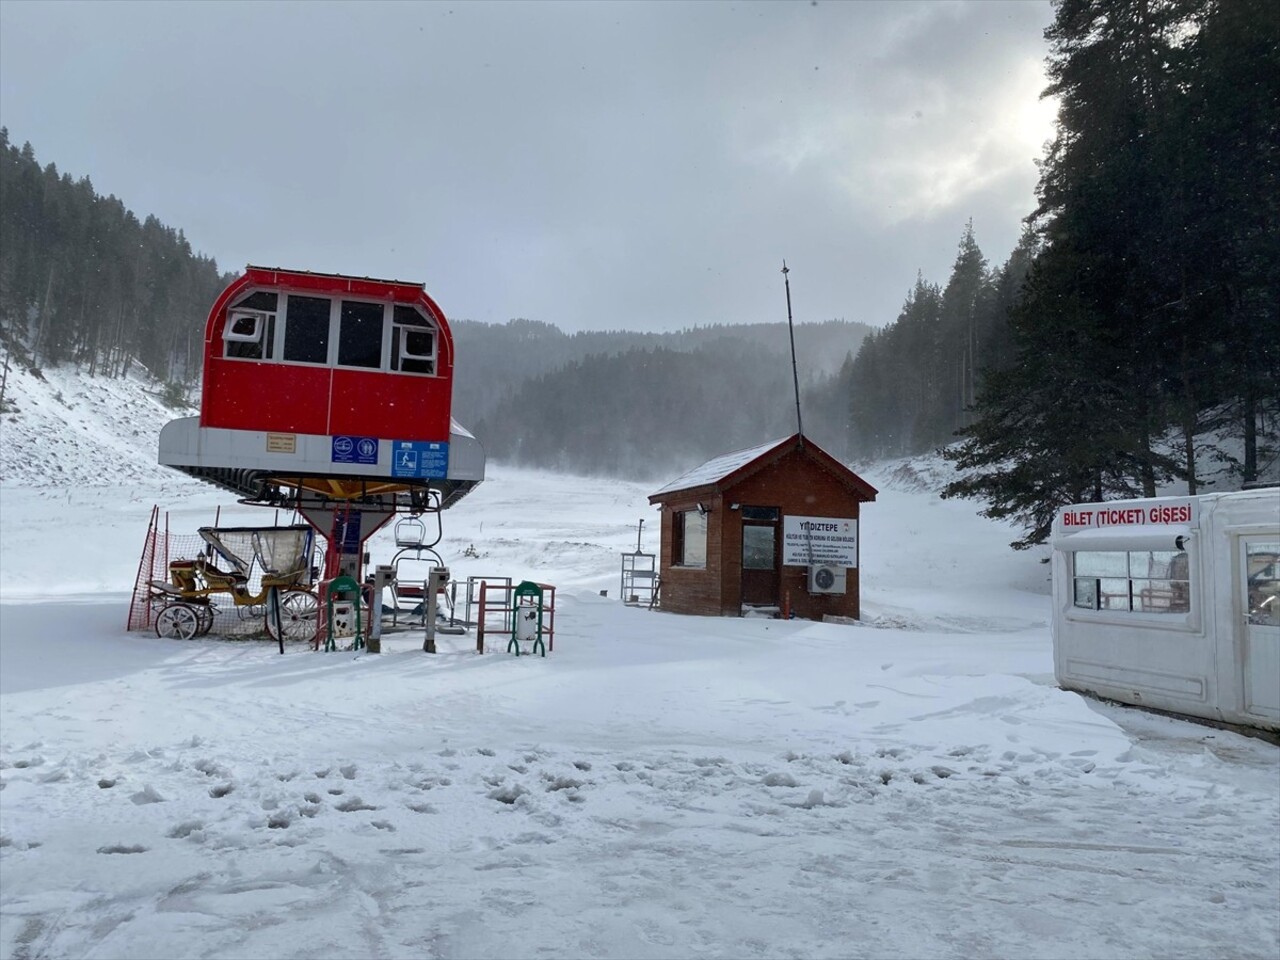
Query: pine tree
963 299
894 383
1231 157
1078 414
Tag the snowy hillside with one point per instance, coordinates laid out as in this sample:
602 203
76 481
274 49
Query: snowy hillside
70 429
659 786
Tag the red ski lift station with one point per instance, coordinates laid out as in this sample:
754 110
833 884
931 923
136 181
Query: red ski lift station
330 395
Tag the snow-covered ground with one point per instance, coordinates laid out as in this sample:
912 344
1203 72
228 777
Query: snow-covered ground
659 786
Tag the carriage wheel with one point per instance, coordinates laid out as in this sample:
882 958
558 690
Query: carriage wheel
297 616
177 621
205 616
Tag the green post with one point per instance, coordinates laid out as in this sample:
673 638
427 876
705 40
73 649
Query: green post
343 585
526 621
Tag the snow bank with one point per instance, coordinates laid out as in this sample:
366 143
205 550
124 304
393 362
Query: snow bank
659 786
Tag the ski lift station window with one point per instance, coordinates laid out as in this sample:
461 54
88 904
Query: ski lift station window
1134 581
413 342
360 335
331 332
306 329
250 327
244 334
689 532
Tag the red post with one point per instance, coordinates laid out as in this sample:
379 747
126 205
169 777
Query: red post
550 628
322 619
140 605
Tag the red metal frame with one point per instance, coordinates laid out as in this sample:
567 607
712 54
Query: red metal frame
140 604
508 607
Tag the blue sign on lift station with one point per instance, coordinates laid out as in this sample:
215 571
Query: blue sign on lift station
355 450
421 459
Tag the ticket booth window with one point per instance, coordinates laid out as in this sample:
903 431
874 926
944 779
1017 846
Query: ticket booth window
1136 581
1262 564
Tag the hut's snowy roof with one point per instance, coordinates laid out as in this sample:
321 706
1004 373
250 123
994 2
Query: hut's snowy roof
717 469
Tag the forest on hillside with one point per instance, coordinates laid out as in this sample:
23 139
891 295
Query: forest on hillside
496 360
1147 328
1130 340
84 281
649 412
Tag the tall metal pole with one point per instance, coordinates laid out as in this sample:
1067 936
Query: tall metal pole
791 330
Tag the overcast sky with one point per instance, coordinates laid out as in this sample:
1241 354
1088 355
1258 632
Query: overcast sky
594 165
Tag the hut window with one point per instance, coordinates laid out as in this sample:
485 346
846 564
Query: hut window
1134 581
413 342
306 329
689 539
360 335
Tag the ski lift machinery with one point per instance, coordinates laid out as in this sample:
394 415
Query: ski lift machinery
331 395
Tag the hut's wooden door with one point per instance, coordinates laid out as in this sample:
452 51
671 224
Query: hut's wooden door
760 549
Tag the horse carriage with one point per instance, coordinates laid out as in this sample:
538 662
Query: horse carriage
264 574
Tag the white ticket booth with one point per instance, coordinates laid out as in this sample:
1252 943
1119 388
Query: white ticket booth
1172 603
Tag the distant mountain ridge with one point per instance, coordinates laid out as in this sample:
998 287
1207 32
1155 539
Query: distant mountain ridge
495 360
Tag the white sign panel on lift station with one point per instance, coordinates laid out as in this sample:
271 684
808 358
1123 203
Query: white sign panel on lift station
812 540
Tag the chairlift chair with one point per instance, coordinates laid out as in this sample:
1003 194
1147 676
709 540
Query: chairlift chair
414 560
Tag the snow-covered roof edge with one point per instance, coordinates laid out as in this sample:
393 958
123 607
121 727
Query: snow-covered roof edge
720 467
739 464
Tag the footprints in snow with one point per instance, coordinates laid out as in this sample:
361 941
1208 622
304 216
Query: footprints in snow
296 804
147 794
353 805
509 794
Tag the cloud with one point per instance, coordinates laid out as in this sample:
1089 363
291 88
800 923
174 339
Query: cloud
592 165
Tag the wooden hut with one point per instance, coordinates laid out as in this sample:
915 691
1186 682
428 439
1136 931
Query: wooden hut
772 529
